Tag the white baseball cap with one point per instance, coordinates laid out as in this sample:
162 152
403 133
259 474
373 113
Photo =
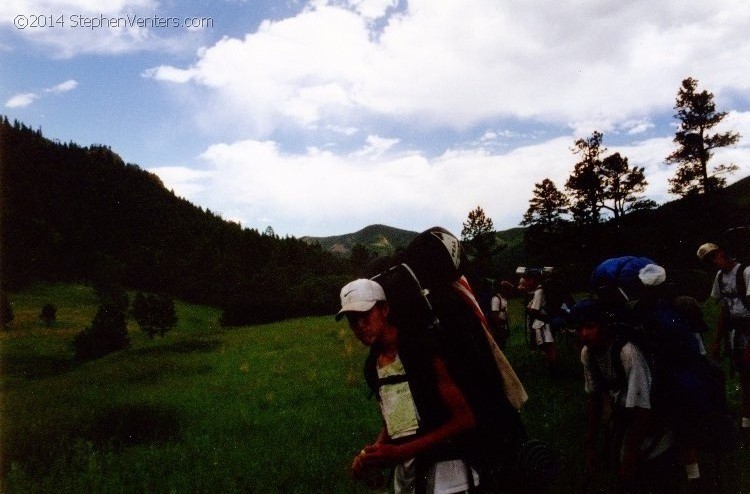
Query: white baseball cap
360 296
706 249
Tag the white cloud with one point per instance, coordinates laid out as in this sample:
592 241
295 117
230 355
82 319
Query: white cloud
320 192
452 64
63 87
73 27
21 100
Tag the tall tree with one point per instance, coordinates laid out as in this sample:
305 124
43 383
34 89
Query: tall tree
622 186
478 240
546 206
477 226
584 185
697 114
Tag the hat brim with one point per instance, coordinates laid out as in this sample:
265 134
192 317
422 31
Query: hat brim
355 307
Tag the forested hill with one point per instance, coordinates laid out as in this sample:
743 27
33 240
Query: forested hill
73 213
380 239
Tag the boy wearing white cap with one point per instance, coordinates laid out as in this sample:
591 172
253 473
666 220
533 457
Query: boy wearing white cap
424 412
734 318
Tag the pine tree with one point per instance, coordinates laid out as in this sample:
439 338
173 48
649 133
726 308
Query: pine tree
697 114
584 185
546 206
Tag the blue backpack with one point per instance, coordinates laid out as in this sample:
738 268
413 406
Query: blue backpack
688 390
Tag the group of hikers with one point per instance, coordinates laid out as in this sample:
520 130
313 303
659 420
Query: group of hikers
450 400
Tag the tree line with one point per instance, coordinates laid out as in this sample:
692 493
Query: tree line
601 211
81 214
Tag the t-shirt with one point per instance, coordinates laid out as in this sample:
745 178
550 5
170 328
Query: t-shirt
402 420
500 305
725 287
538 302
397 403
636 391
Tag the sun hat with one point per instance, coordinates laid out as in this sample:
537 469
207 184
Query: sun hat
706 249
360 296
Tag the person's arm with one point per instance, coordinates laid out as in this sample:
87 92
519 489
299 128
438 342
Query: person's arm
638 402
722 331
535 307
641 420
461 421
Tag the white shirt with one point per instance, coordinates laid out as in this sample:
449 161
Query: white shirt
725 287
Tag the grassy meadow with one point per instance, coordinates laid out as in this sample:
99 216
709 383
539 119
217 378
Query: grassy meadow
272 408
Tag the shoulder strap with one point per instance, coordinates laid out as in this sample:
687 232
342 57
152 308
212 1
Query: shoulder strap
741 286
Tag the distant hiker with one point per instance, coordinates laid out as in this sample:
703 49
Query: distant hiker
539 320
425 415
687 391
499 313
620 375
732 289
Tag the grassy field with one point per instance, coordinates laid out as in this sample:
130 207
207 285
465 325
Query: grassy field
274 408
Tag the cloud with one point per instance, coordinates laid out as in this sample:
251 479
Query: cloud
63 87
266 184
543 62
321 192
21 100
90 27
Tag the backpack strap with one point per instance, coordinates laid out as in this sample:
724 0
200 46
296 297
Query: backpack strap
741 286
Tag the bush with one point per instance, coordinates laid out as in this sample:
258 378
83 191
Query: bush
48 314
155 314
108 333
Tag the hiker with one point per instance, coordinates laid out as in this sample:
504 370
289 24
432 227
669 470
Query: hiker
426 417
732 289
433 306
499 313
647 459
539 318
690 395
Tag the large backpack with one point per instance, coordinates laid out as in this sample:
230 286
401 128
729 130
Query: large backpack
688 391
737 241
442 313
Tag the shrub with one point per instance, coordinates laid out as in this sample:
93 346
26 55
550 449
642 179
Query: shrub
48 314
108 333
155 314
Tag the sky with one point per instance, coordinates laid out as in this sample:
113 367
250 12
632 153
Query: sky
322 117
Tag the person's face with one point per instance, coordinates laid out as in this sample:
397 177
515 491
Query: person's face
719 259
591 334
368 326
528 284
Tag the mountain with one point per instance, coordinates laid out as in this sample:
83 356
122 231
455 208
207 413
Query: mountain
382 239
81 214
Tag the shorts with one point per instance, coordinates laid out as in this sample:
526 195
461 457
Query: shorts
542 332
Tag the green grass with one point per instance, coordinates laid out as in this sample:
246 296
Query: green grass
273 408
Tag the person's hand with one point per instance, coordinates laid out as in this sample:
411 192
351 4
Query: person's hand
366 471
382 454
360 465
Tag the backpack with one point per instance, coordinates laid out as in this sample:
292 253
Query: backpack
738 245
439 315
688 391
557 301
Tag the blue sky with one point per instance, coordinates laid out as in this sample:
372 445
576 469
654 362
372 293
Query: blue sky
322 117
